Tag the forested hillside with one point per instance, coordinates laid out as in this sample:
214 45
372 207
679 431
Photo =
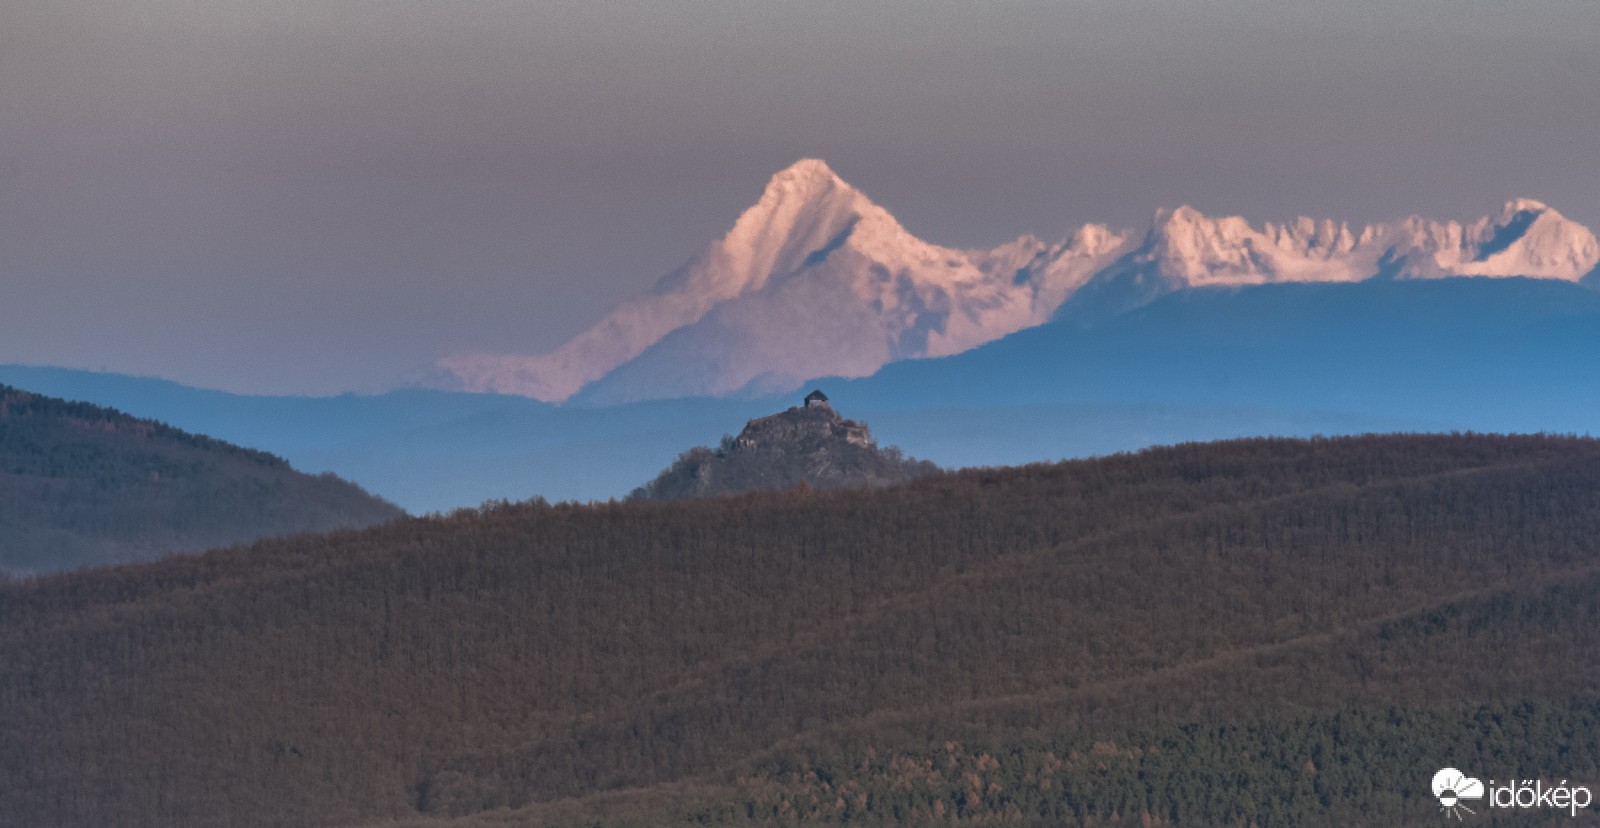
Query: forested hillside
83 485
1260 632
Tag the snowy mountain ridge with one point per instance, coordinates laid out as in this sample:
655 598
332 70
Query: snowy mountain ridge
817 280
1527 239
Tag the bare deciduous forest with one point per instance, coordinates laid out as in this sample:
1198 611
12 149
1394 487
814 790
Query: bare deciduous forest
1260 632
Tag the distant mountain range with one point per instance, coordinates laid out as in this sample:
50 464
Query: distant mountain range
1199 329
84 485
817 280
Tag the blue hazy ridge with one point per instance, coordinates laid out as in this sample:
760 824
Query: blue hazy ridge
1486 354
1483 354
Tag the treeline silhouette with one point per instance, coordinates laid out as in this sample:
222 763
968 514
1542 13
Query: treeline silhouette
1267 632
81 485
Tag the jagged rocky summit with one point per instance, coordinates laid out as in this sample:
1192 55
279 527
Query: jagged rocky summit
815 280
810 444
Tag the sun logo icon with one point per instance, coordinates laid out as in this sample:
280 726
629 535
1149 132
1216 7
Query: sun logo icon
1451 786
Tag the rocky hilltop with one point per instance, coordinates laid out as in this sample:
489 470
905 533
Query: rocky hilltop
810 444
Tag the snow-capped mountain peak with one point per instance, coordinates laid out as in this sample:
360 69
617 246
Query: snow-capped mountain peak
813 279
803 209
1530 239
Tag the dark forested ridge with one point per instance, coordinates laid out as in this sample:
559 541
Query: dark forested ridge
1259 632
83 485
810 444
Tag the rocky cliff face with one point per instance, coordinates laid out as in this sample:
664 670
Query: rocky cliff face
814 445
813 426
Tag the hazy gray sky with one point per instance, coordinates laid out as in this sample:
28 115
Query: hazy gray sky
312 196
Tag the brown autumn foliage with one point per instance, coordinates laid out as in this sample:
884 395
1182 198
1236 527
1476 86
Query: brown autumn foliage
1168 637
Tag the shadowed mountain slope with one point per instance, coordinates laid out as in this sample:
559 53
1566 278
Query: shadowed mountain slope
83 485
1271 631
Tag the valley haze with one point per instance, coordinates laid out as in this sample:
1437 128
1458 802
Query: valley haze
1107 340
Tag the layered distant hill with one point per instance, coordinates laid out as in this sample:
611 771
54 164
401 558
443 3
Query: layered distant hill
84 485
1481 354
810 444
1501 354
434 450
816 280
1195 328
1268 632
